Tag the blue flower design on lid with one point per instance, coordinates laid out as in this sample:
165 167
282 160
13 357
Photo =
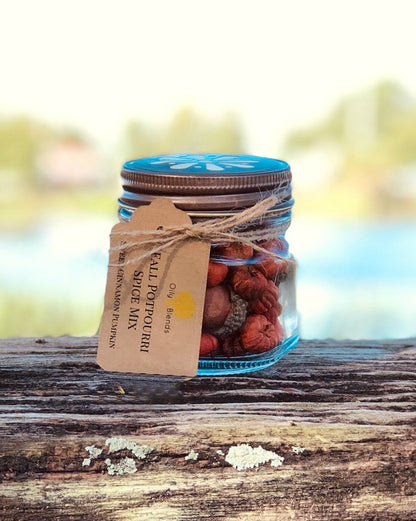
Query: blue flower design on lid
206 163
211 162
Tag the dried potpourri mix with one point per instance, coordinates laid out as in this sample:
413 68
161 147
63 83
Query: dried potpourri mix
242 308
250 318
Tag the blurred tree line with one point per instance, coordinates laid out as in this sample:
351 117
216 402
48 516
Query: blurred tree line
188 131
373 128
20 141
374 135
46 168
23 139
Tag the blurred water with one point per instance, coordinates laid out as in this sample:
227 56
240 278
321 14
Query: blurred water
62 256
355 280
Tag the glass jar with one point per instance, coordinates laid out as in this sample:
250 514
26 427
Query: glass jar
250 319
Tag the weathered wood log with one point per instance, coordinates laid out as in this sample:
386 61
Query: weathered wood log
341 414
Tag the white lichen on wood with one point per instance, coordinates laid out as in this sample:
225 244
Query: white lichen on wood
192 456
277 461
124 466
298 450
116 444
243 457
94 452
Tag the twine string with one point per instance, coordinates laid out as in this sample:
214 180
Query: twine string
232 229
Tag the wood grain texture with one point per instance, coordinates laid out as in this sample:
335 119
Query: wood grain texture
350 405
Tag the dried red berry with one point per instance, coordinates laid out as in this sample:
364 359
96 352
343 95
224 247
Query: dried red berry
247 281
274 269
209 343
258 335
278 245
233 251
267 303
232 346
217 271
216 307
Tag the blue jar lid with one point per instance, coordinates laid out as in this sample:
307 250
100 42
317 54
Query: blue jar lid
204 174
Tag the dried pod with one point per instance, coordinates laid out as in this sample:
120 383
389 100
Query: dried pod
258 335
267 303
217 271
216 308
233 251
247 281
209 343
231 346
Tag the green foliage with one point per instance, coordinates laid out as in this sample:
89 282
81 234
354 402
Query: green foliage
373 135
34 205
373 128
138 141
20 140
48 315
188 131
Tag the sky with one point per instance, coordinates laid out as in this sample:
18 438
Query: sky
276 64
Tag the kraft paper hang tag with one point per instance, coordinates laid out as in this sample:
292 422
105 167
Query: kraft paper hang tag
153 308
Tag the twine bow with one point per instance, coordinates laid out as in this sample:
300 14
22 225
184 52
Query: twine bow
228 230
